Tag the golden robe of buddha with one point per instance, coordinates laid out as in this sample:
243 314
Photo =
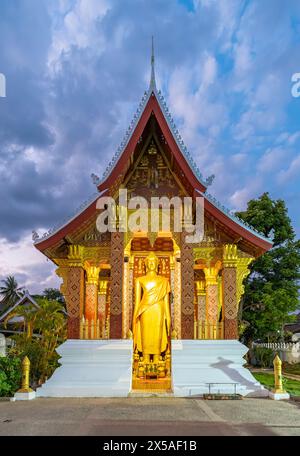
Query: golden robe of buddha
151 318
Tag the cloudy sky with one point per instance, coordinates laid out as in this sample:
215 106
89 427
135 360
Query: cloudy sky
76 70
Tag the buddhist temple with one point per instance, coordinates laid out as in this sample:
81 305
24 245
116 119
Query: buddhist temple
106 276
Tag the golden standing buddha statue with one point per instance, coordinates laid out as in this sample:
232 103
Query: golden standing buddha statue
151 318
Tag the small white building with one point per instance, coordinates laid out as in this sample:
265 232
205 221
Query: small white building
2 345
15 323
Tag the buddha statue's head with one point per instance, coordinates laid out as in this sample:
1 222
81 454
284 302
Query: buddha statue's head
151 262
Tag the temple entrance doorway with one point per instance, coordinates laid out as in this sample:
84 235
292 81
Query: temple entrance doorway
151 315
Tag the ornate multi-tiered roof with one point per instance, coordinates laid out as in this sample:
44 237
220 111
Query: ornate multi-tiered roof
153 103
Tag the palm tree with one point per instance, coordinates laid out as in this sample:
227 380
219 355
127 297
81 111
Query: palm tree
10 291
29 315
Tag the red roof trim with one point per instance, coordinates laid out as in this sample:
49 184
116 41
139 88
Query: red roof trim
238 229
152 106
213 210
68 228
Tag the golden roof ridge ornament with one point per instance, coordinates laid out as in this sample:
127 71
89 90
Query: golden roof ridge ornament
152 85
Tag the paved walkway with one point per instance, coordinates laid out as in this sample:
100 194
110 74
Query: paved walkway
149 416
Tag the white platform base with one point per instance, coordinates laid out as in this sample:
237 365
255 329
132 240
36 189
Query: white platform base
279 396
98 368
24 396
91 368
196 363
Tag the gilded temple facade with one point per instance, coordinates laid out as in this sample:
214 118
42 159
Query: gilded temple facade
98 270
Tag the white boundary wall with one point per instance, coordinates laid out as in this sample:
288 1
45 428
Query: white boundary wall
287 351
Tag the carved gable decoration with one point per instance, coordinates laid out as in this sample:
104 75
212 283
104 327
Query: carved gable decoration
151 175
93 236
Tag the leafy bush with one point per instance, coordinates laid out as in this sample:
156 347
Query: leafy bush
263 356
42 363
10 375
45 330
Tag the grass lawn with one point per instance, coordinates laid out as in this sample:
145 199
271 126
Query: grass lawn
291 386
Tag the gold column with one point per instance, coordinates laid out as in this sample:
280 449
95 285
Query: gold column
102 294
107 323
130 291
172 280
177 298
212 299
201 307
127 292
125 300
91 292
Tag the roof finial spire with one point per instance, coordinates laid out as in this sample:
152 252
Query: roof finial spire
152 80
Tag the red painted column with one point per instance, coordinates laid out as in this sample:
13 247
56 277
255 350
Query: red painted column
91 293
73 291
116 290
230 291
230 303
187 289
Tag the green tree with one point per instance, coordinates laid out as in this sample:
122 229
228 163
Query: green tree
10 291
53 294
271 289
45 329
